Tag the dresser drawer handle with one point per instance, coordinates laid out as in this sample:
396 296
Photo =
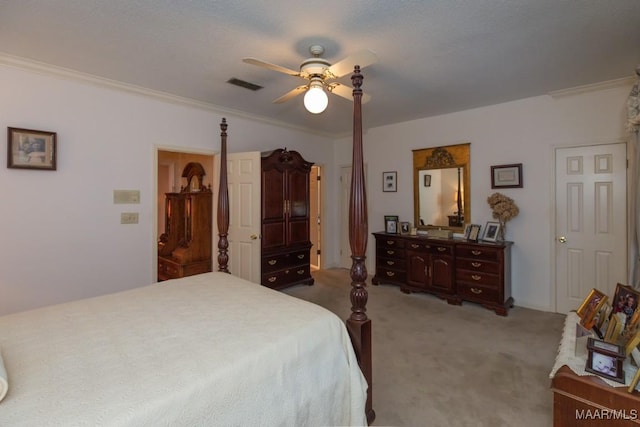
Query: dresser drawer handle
476 252
476 277
301 256
476 264
441 249
272 262
390 273
390 262
390 242
476 291
300 271
413 245
272 279
391 252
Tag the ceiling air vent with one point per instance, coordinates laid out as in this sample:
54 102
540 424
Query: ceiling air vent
242 83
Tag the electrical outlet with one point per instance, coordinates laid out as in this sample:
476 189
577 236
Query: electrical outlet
129 218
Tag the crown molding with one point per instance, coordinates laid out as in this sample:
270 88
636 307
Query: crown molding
609 84
69 74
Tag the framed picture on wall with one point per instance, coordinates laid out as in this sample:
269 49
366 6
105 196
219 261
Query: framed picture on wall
31 149
506 176
389 181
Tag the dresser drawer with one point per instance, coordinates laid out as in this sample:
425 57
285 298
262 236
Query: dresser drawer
478 293
384 274
478 265
478 277
389 242
430 247
393 264
477 252
282 278
278 262
392 253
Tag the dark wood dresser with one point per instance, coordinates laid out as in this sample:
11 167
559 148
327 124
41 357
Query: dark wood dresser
453 269
285 220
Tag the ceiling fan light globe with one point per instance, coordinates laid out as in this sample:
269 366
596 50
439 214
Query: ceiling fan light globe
316 100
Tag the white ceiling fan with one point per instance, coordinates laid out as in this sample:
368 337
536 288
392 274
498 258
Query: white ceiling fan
318 71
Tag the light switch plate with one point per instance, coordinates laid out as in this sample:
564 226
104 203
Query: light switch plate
126 197
129 218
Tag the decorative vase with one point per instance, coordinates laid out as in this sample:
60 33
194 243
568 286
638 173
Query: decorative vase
503 231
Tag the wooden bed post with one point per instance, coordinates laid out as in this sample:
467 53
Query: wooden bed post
223 203
358 325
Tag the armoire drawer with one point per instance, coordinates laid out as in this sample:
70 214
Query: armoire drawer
283 278
279 261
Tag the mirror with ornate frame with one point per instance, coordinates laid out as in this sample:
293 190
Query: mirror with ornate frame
441 187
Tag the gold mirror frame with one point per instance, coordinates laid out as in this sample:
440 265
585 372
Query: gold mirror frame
450 156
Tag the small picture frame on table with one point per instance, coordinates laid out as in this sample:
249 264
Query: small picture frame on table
625 300
590 307
391 224
491 231
405 227
473 232
605 359
31 149
390 181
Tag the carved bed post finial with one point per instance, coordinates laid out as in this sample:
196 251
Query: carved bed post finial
223 203
358 325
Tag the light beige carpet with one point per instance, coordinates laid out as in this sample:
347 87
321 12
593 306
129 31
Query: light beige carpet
437 364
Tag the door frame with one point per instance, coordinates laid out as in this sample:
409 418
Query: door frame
154 200
552 194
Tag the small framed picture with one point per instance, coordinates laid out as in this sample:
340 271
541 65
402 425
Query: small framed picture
590 307
31 149
506 176
605 359
391 224
389 181
625 300
427 180
474 232
491 231
404 227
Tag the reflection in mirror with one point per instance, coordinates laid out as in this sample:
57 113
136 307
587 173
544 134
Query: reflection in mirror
441 187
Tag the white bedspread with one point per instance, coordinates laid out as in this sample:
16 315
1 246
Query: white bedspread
206 350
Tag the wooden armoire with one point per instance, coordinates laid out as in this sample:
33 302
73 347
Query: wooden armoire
184 249
285 220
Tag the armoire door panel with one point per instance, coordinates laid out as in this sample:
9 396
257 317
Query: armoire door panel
298 232
273 191
273 235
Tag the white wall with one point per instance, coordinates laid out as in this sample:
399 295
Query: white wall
61 236
524 131
61 233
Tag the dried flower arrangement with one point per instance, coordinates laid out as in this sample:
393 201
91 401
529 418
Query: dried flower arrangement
503 209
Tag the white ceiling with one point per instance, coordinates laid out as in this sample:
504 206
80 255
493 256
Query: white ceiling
435 56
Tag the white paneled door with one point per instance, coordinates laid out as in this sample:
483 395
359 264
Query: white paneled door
591 222
243 177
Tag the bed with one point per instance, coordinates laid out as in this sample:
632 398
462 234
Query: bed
205 350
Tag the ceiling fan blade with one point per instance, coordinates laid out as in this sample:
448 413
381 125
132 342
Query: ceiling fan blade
291 94
346 92
362 58
263 64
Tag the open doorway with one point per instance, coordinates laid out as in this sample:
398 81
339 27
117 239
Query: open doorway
315 219
170 164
